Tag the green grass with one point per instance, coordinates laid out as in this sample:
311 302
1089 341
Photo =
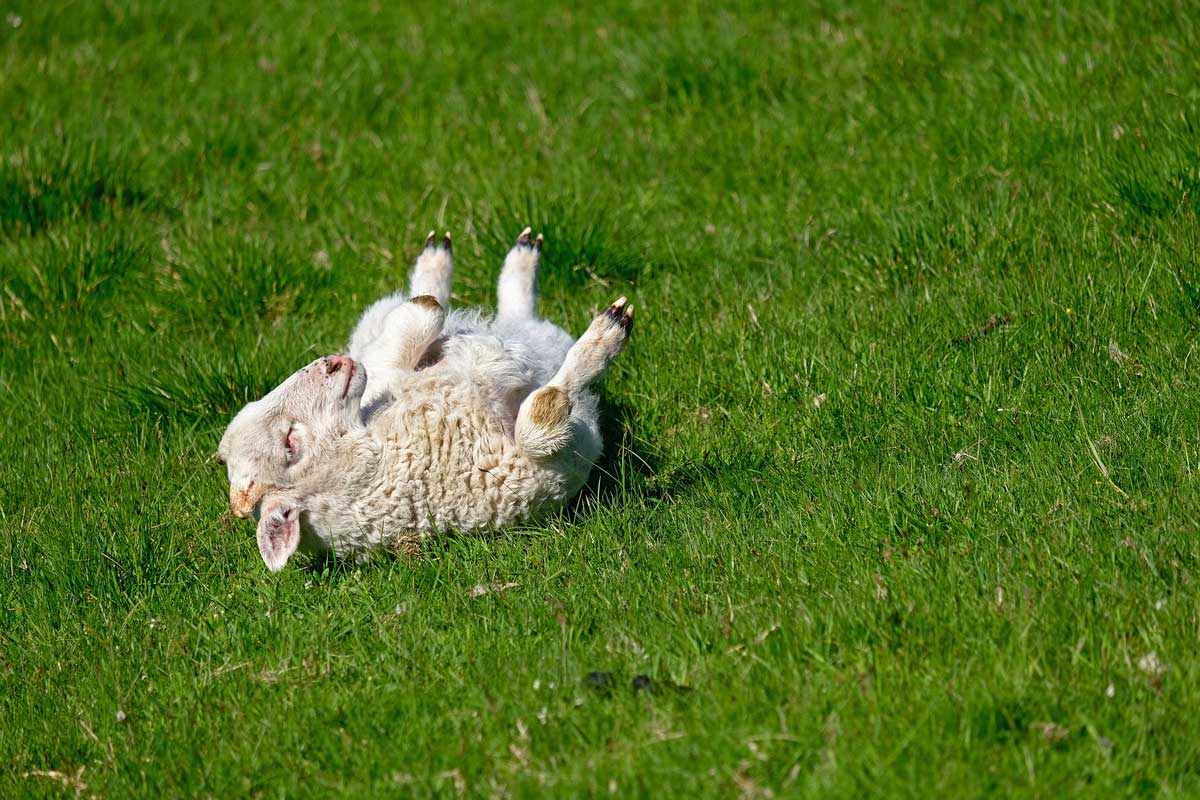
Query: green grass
892 548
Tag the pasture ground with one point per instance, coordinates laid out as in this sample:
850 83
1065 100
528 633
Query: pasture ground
902 475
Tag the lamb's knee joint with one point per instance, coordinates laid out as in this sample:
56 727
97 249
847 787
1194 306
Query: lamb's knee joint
543 424
427 301
549 407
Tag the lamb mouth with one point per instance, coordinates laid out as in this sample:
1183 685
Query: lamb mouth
351 371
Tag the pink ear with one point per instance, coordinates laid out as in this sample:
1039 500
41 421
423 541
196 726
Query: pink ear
278 531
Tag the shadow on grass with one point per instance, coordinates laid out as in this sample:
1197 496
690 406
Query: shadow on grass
328 567
629 469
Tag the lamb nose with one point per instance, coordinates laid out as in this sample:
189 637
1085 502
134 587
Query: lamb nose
335 363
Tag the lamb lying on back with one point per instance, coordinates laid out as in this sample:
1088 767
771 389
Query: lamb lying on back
434 421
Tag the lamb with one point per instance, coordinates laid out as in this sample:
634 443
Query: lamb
437 420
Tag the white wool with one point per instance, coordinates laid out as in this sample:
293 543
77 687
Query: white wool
438 458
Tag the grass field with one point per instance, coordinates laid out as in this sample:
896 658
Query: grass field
901 480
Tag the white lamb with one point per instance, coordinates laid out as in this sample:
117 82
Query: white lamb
434 421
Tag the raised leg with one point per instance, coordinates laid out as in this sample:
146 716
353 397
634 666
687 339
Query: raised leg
516 292
544 419
407 333
371 324
431 274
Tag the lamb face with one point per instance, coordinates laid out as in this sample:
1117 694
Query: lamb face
273 443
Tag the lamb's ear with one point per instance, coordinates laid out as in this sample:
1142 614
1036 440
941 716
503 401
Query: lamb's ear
278 531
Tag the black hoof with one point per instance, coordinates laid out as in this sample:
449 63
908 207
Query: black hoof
524 240
619 314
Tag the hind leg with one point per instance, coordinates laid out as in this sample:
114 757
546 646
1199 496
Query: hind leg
516 292
545 422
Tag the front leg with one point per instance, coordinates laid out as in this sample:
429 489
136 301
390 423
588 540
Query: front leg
430 276
407 333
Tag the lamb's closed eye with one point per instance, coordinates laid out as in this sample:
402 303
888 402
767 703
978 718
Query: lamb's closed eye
291 445
272 442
